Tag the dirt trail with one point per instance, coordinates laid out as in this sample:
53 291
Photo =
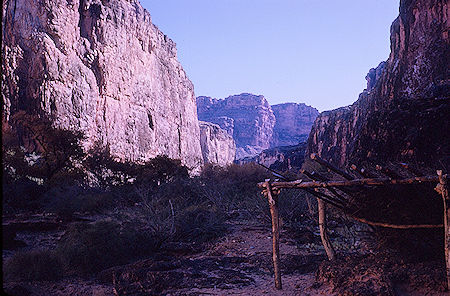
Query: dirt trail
250 245
240 263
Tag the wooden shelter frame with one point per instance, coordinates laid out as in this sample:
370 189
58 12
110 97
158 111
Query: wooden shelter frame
271 190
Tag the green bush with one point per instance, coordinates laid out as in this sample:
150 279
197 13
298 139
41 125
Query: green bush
33 265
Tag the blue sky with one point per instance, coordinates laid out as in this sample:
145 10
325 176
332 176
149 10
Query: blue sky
306 51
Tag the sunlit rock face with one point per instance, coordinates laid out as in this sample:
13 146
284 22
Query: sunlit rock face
254 124
293 123
253 120
103 68
217 145
403 114
281 159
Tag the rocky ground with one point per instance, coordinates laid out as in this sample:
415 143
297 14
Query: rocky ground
239 263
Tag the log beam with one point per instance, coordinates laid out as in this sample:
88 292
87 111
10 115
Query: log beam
318 177
331 167
356 182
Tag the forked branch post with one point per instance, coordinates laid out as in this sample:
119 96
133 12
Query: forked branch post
271 191
272 197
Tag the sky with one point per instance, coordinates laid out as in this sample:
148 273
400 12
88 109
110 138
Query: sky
316 52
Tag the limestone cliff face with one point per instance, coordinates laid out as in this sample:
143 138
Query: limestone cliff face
252 120
254 124
293 123
403 115
281 158
217 145
103 68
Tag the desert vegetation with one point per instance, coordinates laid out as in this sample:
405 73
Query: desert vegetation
111 213
110 218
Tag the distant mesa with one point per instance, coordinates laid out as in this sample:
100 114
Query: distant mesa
281 159
254 124
293 123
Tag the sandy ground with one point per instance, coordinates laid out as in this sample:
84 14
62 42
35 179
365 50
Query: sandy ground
239 263
248 246
249 240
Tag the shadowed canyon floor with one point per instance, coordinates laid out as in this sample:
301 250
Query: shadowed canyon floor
239 263
248 270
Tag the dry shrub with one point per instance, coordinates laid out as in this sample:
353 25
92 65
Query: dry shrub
33 265
179 211
381 274
403 204
89 248
235 188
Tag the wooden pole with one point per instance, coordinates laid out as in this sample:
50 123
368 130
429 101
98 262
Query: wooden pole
387 172
442 188
272 196
411 169
356 182
317 177
323 230
325 198
331 167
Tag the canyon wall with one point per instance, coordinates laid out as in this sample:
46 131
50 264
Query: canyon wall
252 120
254 124
281 159
217 145
293 123
100 67
403 115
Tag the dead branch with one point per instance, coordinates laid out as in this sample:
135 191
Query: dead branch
387 172
396 226
331 167
411 169
315 176
321 206
356 182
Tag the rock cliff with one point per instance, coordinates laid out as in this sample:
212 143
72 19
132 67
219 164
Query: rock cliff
403 115
281 158
217 145
293 123
100 67
254 124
